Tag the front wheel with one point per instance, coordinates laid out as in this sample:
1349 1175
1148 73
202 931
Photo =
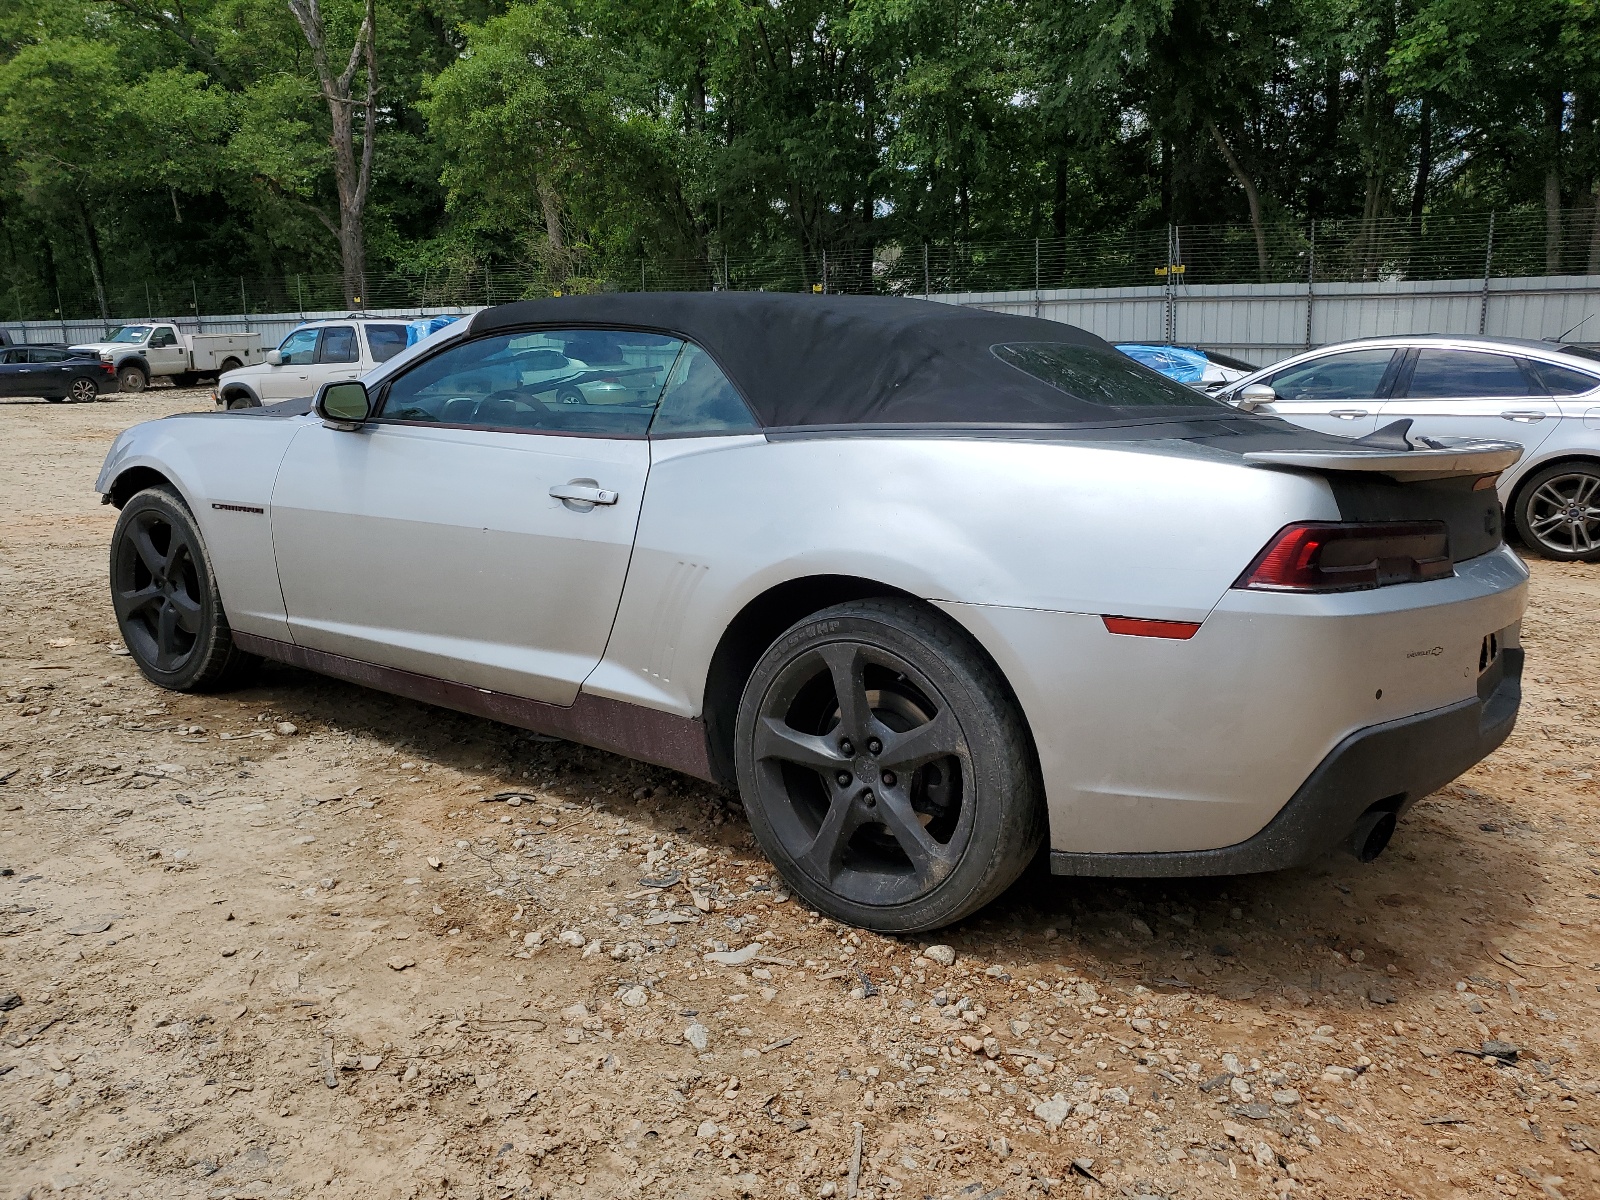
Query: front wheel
885 768
165 596
1558 512
83 391
132 379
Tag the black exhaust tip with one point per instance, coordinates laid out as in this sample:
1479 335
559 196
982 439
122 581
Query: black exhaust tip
1371 834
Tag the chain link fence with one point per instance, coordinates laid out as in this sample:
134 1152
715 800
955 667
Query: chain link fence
1439 247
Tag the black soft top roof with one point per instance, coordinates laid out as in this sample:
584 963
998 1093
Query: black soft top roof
808 361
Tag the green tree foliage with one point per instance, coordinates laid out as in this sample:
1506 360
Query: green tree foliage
143 139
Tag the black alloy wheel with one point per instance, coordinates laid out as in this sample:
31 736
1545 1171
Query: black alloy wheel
885 768
1558 512
83 391
165 597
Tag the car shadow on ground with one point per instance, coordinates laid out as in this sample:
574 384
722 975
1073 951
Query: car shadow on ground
1336 932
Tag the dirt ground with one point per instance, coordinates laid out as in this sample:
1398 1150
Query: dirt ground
290 942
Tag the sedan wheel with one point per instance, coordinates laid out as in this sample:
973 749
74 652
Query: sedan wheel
885 769
83 391
1558 512
165 597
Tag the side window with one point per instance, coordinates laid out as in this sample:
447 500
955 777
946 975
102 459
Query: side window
338 345
385 341
699 399
48 356
162 337
299 347
534 382
1456 374
1353 375
1563 381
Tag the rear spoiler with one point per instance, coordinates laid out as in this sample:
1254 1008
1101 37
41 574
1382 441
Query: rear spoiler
1390 451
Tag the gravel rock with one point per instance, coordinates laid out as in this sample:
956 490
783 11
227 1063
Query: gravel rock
286 728
573 938
735 958
1053 1111
698 1036
945 956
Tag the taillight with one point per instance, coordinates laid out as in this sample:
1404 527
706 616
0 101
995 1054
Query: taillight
1313 557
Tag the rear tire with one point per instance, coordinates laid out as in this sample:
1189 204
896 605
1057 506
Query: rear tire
132 379
83 391
1557 512
886 769
230 364
165 596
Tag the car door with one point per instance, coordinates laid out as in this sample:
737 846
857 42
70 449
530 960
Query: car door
1450 392
1339 392
288 379
51 371
338 357
471 531
166 352
14 371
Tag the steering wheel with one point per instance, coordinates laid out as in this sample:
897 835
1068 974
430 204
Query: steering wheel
537 409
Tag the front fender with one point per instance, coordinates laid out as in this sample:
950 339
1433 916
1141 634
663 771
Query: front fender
223 468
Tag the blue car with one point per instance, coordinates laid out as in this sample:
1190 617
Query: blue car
1204 369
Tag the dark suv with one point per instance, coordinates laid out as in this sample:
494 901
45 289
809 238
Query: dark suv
54 373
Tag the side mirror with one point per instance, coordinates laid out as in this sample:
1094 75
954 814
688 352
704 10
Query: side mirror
1253 396
274 358
344 404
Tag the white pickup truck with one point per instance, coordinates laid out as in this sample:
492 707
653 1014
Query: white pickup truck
143 350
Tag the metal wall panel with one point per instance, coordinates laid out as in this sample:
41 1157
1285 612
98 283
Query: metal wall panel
1257 322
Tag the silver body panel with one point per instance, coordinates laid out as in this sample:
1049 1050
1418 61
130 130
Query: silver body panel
439 551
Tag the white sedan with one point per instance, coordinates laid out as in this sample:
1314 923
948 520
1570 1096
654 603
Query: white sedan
931 587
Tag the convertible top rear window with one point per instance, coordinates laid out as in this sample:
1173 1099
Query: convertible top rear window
1099 375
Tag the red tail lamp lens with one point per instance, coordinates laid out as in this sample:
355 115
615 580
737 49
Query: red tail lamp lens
1143 627
1312 557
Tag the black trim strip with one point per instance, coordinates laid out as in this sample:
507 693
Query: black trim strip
678 743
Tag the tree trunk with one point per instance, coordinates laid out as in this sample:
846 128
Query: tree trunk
557 266
1058 208
97 266
1555 109
1250 194
1419 193
1594 229
352 169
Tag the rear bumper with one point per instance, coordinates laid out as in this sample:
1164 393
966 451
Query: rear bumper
1394 764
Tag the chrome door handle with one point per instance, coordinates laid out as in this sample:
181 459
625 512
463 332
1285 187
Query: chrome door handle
1525 416
583 493
1347 414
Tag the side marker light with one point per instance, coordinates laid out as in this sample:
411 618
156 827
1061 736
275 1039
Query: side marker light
1142 627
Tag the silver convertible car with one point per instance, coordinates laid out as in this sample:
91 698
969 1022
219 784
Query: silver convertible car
928 585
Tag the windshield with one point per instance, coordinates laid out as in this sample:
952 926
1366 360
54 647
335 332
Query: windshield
1099 375
128 333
